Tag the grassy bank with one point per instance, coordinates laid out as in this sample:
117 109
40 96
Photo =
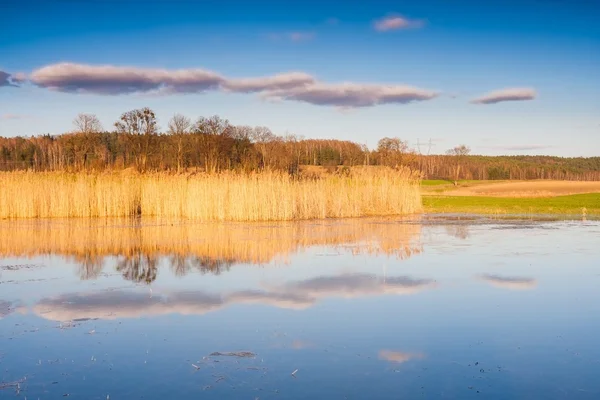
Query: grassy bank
580 204
267 196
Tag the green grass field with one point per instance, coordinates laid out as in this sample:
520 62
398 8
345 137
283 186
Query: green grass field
580 204
435 182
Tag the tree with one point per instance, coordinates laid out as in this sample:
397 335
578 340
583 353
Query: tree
458 153
87 124
261 137
141 126
179 126
391 151
212 134
214 125
83 142
138 122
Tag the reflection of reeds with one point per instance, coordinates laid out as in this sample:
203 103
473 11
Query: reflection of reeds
266 196
203 246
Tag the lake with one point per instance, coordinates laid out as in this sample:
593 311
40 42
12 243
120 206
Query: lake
423 307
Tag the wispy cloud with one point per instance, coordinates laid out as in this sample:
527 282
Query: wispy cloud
353 94
14 116
291 86
301 36
276 82
294 36
332 21
396 22
112 80
509 94
19 77
7 79
510 282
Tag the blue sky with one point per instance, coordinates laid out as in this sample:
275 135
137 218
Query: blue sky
371 69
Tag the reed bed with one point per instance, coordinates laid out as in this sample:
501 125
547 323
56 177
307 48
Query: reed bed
265 196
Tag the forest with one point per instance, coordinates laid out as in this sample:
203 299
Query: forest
212 144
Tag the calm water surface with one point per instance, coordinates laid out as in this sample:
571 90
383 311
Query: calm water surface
356 309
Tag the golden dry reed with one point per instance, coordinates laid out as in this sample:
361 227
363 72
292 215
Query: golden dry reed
265 196
86 240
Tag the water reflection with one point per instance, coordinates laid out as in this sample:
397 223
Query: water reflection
5 308
398 357
140 246
112 304
510 282
384 326
459 231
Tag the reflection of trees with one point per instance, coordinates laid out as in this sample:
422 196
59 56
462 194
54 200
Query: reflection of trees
181 265
138 268
142 267
90 266
460 231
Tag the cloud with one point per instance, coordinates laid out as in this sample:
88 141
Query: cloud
396 22
7 79
19 77
112 80
292 296
510 94
352 94
276 82
294 36
291 86
333 21
398 356
13 116
301 36
510 282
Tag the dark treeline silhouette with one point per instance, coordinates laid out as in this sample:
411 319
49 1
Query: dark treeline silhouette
213 144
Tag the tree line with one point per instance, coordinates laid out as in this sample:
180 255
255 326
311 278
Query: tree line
213 144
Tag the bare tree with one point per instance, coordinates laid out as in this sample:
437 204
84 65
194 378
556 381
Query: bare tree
261 136
179 126
211 134
459 153
214 125
142 126
87 123
242 132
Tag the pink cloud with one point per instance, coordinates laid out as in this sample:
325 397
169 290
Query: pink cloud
396 22
352 94
509 94
291 86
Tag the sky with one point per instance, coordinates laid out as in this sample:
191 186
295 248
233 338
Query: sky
501 76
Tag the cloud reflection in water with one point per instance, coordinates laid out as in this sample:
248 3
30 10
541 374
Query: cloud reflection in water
510 282
293 295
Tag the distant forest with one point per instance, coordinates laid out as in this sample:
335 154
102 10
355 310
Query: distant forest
213 145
